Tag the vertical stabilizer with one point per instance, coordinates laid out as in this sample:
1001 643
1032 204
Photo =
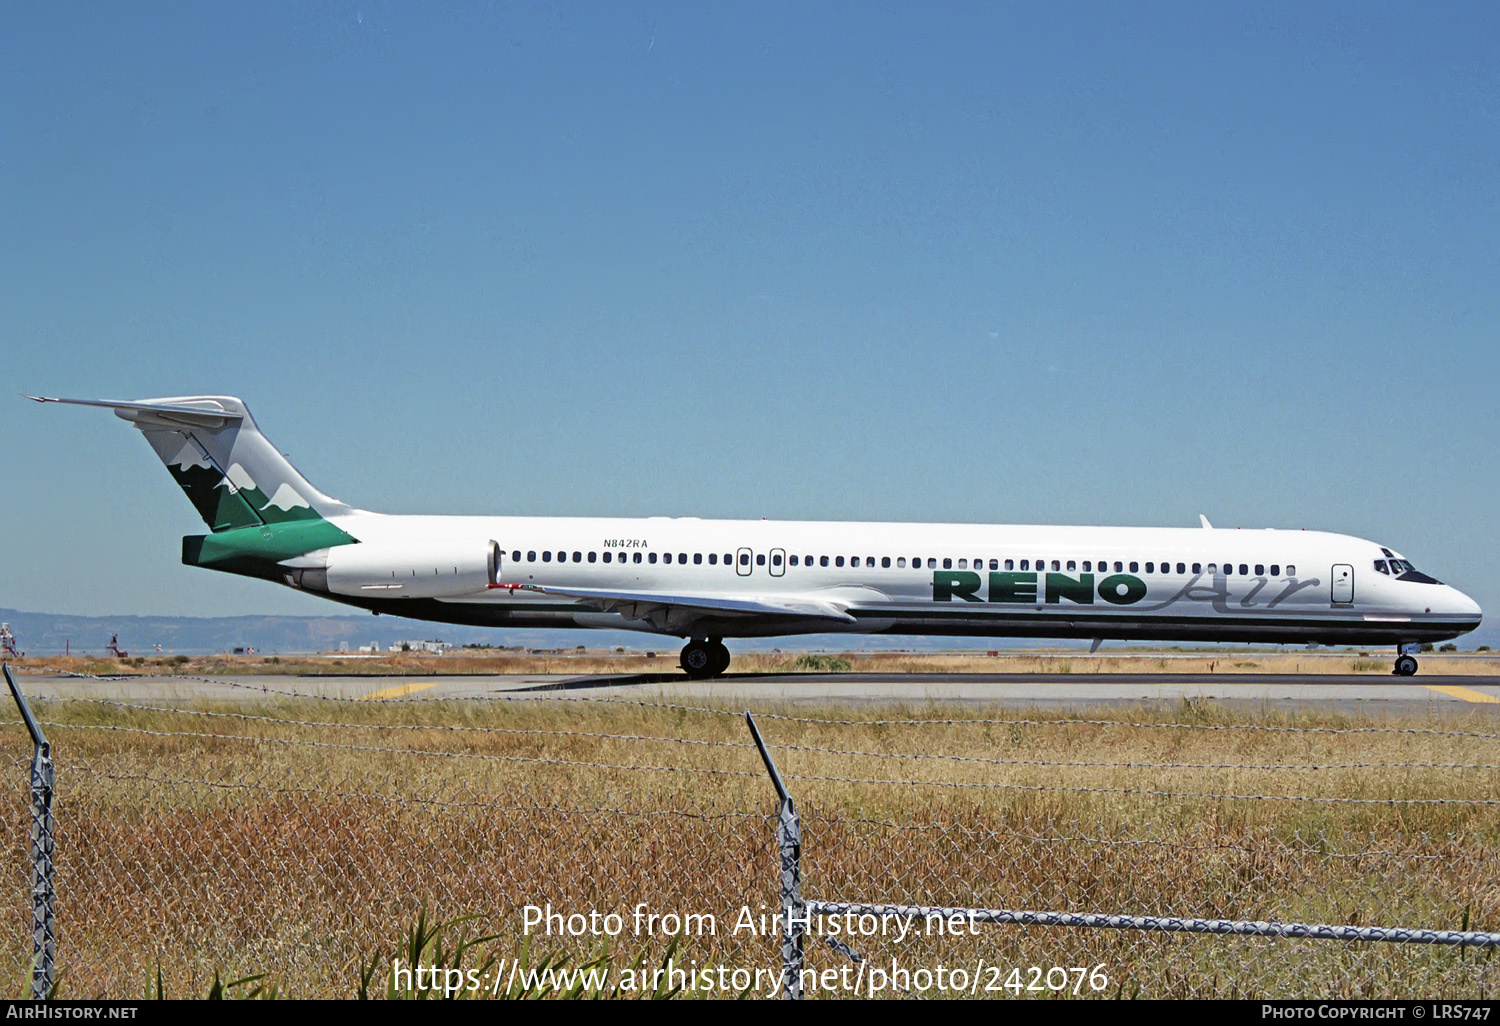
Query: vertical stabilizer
231 473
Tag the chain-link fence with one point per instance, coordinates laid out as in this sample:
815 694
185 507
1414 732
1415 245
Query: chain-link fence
301 836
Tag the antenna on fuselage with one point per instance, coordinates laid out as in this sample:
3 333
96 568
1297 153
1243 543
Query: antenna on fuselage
1204 521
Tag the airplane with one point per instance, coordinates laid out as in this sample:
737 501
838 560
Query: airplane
707 580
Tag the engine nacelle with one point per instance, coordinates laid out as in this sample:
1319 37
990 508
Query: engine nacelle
408 570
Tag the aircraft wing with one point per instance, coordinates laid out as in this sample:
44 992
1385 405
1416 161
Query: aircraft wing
668 612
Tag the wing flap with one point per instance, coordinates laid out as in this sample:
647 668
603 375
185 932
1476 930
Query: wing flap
652 605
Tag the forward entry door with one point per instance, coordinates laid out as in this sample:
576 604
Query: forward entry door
1343 584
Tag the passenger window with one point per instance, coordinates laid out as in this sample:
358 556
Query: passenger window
963 564
651 557
1182 568
697 559
1150 568
546 557
1134 567
593 557
947 563
854 561
728 559
1025 564
713 559
1197 568
760 560
932 562
1244 570
608 557
838 561
1056 564
744 559
1010 564
1228 569
822 560
1072 565
578 557
994 564
792 560
776 559
637 557
1275 569
1213 568
885 562
1119 566
901 562
1087 566
531 557
1259 569
1291 571
666 557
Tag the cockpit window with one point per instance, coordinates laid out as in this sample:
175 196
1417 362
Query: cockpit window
1404 571
1380 565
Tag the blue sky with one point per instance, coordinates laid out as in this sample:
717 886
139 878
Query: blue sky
1075 263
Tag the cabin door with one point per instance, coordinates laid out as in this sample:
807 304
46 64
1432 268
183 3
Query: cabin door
1343 584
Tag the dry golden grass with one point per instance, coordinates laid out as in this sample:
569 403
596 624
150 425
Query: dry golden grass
298 842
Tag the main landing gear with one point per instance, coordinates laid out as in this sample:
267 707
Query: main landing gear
704 659
1406 660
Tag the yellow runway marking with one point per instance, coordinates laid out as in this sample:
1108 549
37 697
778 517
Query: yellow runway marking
1467 694
402 690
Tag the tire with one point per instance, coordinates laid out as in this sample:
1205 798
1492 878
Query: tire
698 660
721 657
1406 666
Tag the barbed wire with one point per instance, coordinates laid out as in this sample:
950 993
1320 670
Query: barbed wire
813 749
444 727
482 756
242 785
1164 924
534 697
991 785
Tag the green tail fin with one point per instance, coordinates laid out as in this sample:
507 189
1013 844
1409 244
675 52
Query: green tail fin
233 476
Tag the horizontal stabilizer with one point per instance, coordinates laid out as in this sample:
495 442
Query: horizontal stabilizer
199 414
211 446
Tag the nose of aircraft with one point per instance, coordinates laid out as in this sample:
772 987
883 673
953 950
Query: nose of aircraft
1463 607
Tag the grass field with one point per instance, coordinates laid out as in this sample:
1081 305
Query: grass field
486 661
297 837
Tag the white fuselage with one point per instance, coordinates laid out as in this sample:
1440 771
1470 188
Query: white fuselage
948 579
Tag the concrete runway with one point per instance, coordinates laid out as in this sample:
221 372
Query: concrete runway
1348 693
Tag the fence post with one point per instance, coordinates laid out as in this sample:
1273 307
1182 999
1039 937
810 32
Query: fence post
793 910
43 934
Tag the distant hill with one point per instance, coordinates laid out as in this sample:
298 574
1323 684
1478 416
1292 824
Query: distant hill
47 633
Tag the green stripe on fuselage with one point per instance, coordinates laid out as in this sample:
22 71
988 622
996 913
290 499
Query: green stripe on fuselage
268 543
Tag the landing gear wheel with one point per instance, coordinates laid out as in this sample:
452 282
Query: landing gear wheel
700 660
1406 666
721 657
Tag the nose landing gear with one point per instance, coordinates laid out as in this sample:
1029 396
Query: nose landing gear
1406 662
704 659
